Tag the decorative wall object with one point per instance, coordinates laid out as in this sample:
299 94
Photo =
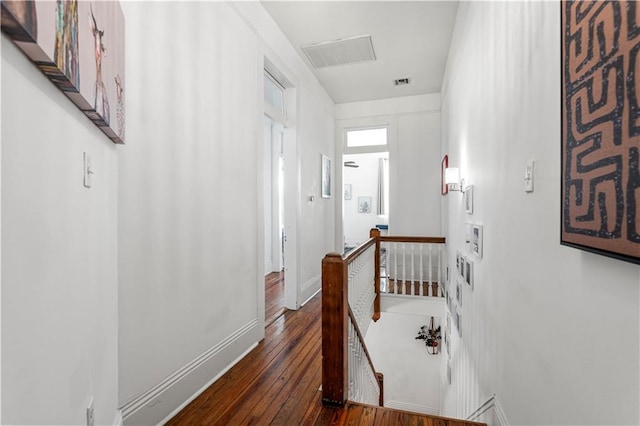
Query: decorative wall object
444 188
468 199
79 46
601 128
468 272
467 235
459 292
459 260
347 191
476 240
364 204
326 176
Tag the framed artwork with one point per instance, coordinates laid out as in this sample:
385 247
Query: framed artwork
459 322
326 176
467 236
459 292
444 188
459 260
600 148
347 191
364 204
468 199
79 46
468 272
476 240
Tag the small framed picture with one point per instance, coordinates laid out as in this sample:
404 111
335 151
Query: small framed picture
347 191
468 229
468 274
459 262
468 199
459 315
459 293
476 240
364 204
326 177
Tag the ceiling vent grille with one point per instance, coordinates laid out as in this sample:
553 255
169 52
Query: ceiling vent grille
401 81
339 52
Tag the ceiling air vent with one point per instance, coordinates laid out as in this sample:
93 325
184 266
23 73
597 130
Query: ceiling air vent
401 81
339 52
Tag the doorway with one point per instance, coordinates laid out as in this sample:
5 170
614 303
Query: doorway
274 235
366 197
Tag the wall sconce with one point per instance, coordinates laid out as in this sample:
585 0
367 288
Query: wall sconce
452 179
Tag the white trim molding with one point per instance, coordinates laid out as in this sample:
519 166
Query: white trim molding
164 400
490 412
310 288
405 406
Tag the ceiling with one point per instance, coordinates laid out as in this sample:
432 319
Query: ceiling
410 40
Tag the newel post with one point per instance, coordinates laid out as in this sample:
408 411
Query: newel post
335 331
375 233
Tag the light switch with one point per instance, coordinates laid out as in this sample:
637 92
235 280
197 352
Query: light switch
528 176
88 171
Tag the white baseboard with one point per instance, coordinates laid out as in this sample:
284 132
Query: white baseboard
158 404
490 413
310 288
405 406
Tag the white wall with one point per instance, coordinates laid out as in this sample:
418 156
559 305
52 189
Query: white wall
191 196
414 160
59 255
411 374
552 331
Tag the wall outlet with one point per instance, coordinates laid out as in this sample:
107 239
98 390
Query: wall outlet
91 419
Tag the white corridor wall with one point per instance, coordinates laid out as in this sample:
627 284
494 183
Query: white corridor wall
59 255
552 331
191 195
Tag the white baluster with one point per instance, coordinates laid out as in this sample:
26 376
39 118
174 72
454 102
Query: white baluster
421 271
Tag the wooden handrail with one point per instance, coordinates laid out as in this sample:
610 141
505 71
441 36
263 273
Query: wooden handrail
366 352
353 254
401 239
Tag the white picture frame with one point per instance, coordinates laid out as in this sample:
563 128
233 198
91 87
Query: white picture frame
364 205
476 240
326 177
347 191
468 273
459 292
468 199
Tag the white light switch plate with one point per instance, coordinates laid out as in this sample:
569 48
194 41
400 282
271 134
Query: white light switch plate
528 176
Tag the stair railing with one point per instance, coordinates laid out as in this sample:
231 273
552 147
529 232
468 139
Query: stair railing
348 294
351 288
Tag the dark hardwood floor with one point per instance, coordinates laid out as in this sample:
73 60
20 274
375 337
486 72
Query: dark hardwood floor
274 296
278 384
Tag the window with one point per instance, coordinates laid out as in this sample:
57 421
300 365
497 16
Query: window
273 93
366 137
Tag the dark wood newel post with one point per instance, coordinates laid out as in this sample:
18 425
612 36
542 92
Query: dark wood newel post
335 331
375 233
